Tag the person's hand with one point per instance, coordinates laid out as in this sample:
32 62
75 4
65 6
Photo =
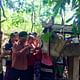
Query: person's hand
16 42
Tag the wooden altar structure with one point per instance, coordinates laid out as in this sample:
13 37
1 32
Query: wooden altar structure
72 51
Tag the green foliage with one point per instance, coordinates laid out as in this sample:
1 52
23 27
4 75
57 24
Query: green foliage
45 37
69 19
19 13
76 17
45 2
74 4
74 29
17 19
10 4
59 6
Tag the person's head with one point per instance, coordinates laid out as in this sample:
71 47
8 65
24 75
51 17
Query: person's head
23 36
16 34
31 37
34 34
14 37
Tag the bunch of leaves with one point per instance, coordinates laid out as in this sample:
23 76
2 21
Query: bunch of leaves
59 6
75 17
46 36
17 19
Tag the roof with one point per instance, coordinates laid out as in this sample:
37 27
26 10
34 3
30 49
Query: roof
62 28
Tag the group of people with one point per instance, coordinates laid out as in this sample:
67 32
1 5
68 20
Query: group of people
26 58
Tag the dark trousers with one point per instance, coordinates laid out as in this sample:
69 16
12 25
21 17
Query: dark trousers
46 76
14 74
8 71
1 76
30 73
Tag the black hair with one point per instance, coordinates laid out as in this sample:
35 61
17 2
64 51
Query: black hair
23 34
34 33
12 35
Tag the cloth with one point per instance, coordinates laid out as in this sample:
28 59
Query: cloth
47 69
46 59
37 67
1 76
19 59
16 74
47 75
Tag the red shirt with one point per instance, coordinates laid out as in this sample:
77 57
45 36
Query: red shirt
19 59
35 56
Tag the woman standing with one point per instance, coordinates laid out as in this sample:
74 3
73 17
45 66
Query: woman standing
47 68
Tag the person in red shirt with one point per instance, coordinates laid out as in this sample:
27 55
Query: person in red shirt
19 59
34 57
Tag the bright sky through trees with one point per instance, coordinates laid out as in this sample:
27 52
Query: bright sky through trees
19 14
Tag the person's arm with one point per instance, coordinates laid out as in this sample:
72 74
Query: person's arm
23 49
18 52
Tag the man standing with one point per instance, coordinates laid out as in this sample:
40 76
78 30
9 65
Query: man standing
19 59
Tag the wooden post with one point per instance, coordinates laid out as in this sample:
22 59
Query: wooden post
76 68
